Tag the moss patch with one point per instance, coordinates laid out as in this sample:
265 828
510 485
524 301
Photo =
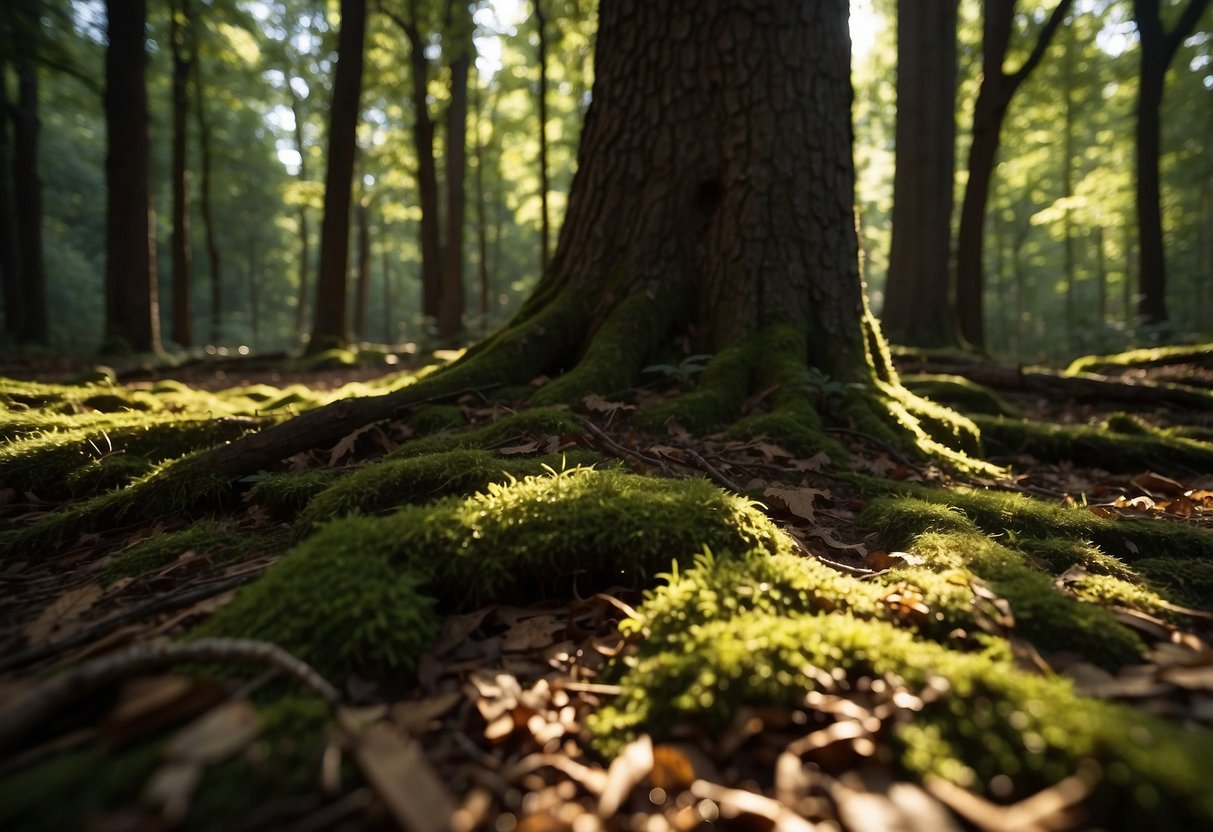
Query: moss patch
220 544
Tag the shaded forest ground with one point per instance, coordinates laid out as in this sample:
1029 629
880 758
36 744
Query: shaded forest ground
518 715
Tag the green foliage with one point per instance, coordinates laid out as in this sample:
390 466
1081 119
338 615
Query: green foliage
684 372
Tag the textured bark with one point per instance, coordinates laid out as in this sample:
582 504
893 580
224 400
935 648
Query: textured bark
450 310
329 327
362 288
541 58
10 283
254 289
997 88
715 161
179 23
427 170
1069 260
301 306
389 336
132 319
214 255
918 309
482 241
27 185
1158 48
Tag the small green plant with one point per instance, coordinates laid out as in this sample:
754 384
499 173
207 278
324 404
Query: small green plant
684 372
819 385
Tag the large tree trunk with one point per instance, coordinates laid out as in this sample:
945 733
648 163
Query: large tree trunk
918 310
214 255
482 241
179 20
1069 260
450 311
541 58
1158 47
27 185
993 97
132 320
329 328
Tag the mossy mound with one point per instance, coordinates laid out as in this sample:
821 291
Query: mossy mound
1121 444
982 716
364 594
220 544
959 393
285 494
1149 356
397 482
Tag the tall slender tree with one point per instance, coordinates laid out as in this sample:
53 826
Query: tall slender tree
329 323
458 44
541 59
997 88
27 183
180 21
206 195
918 308
132 315
10 280
1158 47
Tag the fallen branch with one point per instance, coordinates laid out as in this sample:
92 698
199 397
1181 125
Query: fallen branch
43 701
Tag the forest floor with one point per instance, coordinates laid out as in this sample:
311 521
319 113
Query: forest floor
492 730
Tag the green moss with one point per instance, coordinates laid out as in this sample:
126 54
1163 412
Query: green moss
393 483
959 393
1124 444
110 471
435 418
280 764
717 398
1176 354
993 719
61 791
284 495
361 594
1183 580
222 545
535 423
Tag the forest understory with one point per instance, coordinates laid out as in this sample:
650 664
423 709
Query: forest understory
480 614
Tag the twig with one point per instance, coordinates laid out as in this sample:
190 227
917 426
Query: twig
108 625
705 466
880 443
50 696
617 449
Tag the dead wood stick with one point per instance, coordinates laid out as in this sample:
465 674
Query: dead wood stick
707 467
615 448
880 443
19 720
106 626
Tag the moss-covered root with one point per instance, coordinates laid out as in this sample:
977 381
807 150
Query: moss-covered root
365 593
991 721
961 394
220 544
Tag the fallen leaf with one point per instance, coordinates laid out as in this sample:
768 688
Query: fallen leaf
456 628
147 705
400 774
216 735
418 716
524 448
532 633
798 501
1156 484
62 618
345 447
672 769
598 404
625 772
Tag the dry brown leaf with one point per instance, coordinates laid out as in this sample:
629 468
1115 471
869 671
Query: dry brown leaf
598 404
798 501
216 735
456 629
147 705
345 447
400 774
523 448
418 716
672 768
1157 485
532 633
62 618
625 772
826 536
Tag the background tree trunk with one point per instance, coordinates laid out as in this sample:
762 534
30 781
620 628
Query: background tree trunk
179 20
132 320
450 313
427 170
918 309
9 270
27 184
214 255
1158 48
363 286
328 328
482 241
541 58
301 307
997 88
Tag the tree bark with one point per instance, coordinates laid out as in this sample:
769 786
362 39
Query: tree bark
180 18
1158 47
993 97
918 309
1069 264
389 337
214 255
132 320
482 243
363 286
304 229
329 328
427 170
27 185
254 290
450 312
541 58
10 283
